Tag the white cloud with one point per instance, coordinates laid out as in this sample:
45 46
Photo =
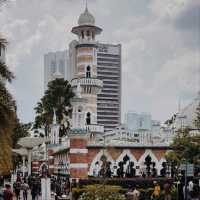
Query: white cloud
158 59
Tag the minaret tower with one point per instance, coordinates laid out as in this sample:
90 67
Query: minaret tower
86 67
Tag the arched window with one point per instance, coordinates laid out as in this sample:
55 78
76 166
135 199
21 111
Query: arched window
79 109
82 34
88 118
88 72
88 33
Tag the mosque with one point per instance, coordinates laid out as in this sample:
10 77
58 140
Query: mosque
87 151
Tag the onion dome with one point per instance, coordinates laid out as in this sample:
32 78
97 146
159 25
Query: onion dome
86 18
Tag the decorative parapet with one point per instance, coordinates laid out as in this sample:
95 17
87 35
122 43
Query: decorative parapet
87 82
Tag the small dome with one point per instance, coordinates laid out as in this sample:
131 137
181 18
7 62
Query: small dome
86 18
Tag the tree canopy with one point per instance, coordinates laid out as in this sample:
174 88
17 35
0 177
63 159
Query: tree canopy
7 119
57 96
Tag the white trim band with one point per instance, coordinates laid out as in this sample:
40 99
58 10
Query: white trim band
77 151
78 165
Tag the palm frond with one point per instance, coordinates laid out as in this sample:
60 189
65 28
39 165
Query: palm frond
5 73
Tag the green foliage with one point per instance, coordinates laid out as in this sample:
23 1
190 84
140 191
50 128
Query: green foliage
7 119
102 196
20 130
186 147
57 96
101 192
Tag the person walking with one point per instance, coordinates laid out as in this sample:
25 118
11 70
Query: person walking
17 188
25 188
34 190
7 194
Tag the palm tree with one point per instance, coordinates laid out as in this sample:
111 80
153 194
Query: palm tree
57 96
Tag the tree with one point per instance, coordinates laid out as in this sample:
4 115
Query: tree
57 96
185 146
7 119
197 120
20 130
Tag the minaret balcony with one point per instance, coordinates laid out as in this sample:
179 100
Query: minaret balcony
85 82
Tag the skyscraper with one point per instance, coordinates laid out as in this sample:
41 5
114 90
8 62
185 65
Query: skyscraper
109 71
55 66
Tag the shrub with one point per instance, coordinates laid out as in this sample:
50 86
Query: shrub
102 192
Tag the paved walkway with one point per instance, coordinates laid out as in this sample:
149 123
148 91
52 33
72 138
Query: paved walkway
29 196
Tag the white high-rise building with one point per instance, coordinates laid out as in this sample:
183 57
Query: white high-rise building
56 65
109 71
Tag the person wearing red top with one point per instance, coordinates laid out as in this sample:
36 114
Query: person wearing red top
8 195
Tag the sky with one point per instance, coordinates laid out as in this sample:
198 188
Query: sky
160 48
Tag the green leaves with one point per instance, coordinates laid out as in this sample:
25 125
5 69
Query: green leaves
7 119
186 147
102 192
57 96
5 73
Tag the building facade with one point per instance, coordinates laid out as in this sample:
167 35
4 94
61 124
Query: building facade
56 65
85 151
109 71
63 65
140 121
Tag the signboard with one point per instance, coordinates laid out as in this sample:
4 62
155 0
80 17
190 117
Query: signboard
190 169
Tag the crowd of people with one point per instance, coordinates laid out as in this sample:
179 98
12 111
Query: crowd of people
21 187
193 192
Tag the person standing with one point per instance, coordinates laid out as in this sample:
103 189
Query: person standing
25 188
156 192
136 194
7 194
